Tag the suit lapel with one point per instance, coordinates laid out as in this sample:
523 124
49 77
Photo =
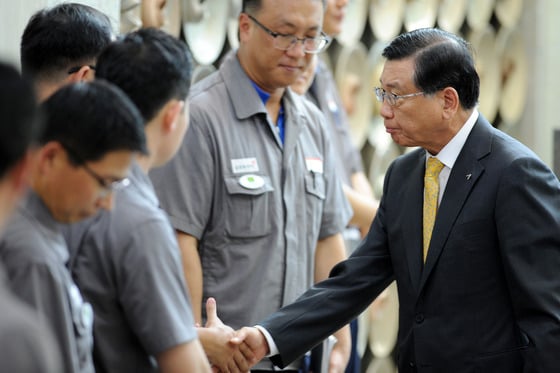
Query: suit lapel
463 178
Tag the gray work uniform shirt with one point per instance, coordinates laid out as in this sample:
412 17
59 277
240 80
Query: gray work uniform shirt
34 254
27 345
128 265
257 206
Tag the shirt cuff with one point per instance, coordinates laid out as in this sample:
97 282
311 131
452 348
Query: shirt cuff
273 349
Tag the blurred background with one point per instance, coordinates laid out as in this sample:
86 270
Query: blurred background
517 46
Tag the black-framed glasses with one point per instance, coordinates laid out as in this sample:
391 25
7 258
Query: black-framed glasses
75 69
106 186
285 42
391 98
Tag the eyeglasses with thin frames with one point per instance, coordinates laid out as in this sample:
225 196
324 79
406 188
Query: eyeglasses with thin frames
285 42
391 98
107 187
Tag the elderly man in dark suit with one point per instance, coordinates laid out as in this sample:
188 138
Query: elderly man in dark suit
468 225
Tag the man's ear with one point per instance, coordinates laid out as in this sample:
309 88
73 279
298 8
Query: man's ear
48 155
244 26
173 110
85 74
451 102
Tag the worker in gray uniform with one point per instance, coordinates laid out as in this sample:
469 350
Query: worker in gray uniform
252 191
26 344
92 132
127 261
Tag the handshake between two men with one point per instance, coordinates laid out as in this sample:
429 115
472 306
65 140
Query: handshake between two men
230 351
236 351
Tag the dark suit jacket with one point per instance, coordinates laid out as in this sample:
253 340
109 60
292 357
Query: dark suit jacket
488 297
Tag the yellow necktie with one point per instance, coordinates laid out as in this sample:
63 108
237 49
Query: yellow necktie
431 192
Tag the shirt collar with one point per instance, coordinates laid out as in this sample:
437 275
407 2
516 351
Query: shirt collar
450 152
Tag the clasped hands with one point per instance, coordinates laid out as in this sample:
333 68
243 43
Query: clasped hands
230 351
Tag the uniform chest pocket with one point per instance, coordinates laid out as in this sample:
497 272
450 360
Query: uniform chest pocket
315 185
314 201
247 207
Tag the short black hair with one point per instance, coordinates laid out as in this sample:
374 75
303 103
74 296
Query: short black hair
61 37
150 66
442 59
93 119
20 121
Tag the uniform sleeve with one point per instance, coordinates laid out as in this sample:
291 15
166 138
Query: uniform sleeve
182 185
37 286
528 222
153 295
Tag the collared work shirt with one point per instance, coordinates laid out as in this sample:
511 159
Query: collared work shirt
127 263
256 206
